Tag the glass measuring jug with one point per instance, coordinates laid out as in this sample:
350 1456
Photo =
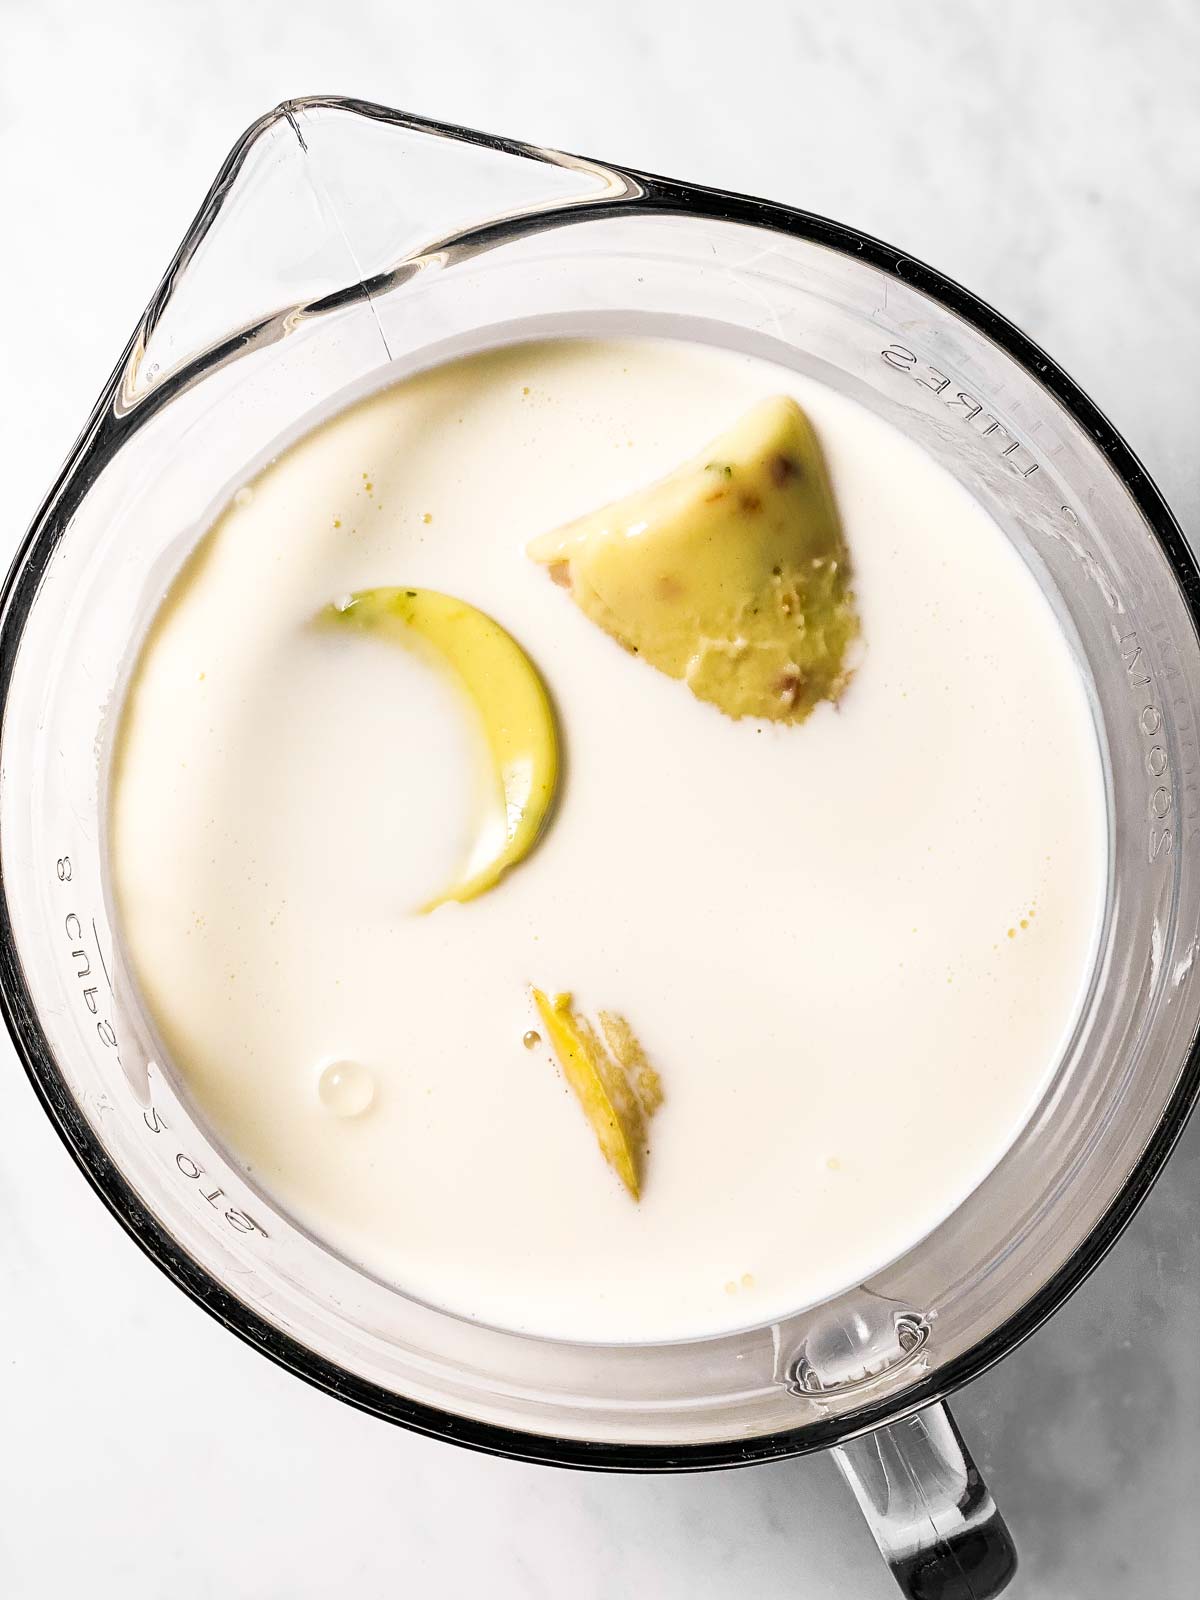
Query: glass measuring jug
342 243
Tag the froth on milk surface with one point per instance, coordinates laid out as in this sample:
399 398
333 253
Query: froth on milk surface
852 948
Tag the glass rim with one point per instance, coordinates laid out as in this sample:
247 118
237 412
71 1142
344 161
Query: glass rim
650 195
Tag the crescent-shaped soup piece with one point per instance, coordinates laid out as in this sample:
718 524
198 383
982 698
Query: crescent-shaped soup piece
514 710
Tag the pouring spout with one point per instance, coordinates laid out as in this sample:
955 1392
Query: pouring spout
327 202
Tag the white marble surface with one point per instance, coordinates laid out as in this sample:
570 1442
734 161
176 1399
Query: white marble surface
1046 156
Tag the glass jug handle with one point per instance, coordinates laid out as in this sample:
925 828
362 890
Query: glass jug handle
931 1513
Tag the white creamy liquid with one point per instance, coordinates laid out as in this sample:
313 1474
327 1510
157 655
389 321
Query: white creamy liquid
852 948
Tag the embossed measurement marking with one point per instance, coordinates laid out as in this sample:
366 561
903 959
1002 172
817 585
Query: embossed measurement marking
1174 803
1161 800
81 963
240 1221
1009 448
1160 805
82 952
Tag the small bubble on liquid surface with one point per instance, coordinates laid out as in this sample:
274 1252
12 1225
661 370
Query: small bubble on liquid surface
346 1088
532 1038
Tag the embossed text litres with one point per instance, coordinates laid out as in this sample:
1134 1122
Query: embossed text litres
971 411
